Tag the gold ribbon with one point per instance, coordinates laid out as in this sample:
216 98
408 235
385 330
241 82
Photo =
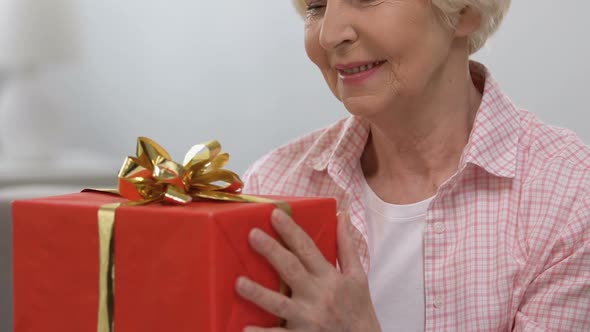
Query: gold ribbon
106 223
152 176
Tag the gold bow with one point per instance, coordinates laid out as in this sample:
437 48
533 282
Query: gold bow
153 176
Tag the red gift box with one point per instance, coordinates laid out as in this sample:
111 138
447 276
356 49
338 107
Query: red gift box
175 266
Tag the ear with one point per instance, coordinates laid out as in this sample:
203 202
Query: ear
468 22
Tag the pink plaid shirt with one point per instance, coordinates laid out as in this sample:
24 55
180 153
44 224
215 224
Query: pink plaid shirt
507 242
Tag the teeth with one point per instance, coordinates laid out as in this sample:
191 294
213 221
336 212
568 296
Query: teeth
362 68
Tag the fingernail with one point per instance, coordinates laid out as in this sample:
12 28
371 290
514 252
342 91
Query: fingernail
257 235
242 284
277 213
278 217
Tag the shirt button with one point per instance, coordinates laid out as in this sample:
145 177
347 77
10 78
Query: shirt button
439 227
438 302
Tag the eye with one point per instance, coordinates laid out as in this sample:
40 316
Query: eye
314 7
367 2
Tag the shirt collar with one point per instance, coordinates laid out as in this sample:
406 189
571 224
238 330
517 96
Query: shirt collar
492 144
341 149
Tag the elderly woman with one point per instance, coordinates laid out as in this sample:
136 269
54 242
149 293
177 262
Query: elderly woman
462 212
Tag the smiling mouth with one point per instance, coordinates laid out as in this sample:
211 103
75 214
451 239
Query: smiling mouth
360 69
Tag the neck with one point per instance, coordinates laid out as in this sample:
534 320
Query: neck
420 148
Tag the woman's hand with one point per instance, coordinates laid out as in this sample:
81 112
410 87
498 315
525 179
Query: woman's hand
323 298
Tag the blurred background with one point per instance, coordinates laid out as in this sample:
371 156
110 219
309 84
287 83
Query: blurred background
80 80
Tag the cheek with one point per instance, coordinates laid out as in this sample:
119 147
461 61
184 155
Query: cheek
319 57
395 77
312 45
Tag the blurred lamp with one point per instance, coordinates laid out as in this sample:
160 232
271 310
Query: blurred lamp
34 35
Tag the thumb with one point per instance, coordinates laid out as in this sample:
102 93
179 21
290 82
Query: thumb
347 252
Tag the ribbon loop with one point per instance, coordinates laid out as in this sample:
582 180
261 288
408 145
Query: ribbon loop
152 175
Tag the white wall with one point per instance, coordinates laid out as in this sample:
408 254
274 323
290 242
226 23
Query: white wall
541 56
185 71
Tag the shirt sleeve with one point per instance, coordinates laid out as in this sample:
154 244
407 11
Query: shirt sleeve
558 299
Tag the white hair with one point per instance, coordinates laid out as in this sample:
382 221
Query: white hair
492 13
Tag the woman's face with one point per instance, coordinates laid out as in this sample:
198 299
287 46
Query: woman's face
377 54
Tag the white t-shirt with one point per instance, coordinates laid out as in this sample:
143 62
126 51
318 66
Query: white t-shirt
396 275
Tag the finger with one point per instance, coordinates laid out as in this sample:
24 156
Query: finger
285 263
269 300
300 243
347 253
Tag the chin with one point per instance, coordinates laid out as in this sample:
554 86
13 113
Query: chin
356 107
365 107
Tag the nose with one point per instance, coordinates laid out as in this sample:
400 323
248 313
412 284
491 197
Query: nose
337 28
